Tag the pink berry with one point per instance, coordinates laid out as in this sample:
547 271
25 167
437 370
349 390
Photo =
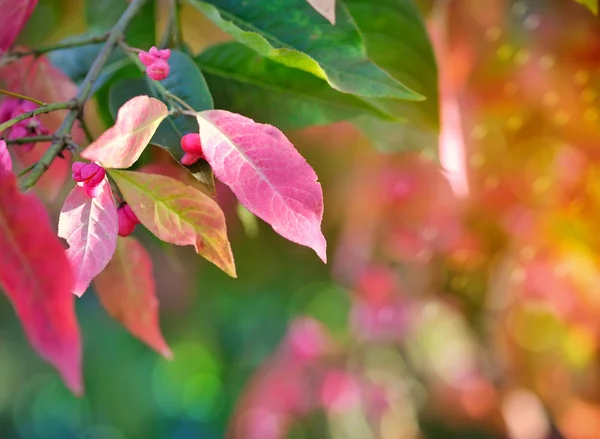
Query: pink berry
146 58
189 159
164 54
158 70
161 54
127 220
191 143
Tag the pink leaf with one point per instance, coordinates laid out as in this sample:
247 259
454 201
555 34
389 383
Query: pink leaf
5 160
121 145
266 173
13 18
36 276
126 289
324 7
90 227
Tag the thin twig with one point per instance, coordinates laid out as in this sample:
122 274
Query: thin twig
20 96
42 110
26 140
86 130
85 91
18 54
26 170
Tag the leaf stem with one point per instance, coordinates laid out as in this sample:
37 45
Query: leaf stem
85 91
48 108
20 96
18 54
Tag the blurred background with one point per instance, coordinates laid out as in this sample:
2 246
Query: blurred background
462 297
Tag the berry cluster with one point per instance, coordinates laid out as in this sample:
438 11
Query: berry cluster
156 63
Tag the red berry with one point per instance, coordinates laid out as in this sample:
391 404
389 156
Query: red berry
189 159
158 70
190 143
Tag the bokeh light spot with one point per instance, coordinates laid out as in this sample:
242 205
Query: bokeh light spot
522 56
519 8
527 253
542 184
561 117
591 115
579 347
479 132
202 396
477 160
532 22
581 77
514 123
535 327
505 52
550 99
493 34
589 95
547 62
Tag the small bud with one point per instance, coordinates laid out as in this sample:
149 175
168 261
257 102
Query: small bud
164 54
190 143
146 58
189 159
127 220
158 70
89 176
154 52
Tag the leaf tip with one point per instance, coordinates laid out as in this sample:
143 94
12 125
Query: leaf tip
167 353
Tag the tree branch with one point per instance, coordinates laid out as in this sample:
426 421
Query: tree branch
48 108
18 54
32 139
85 91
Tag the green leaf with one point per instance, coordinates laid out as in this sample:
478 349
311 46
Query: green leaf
41 24
75 62
592 5
397 40
127 71
178 214
291 32
102 16
245 82
187 83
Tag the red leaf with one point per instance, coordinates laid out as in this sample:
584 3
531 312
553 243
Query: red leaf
37 278
121 145
41 80
90 227
178 214
266 173
13 18
324 7
126 289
